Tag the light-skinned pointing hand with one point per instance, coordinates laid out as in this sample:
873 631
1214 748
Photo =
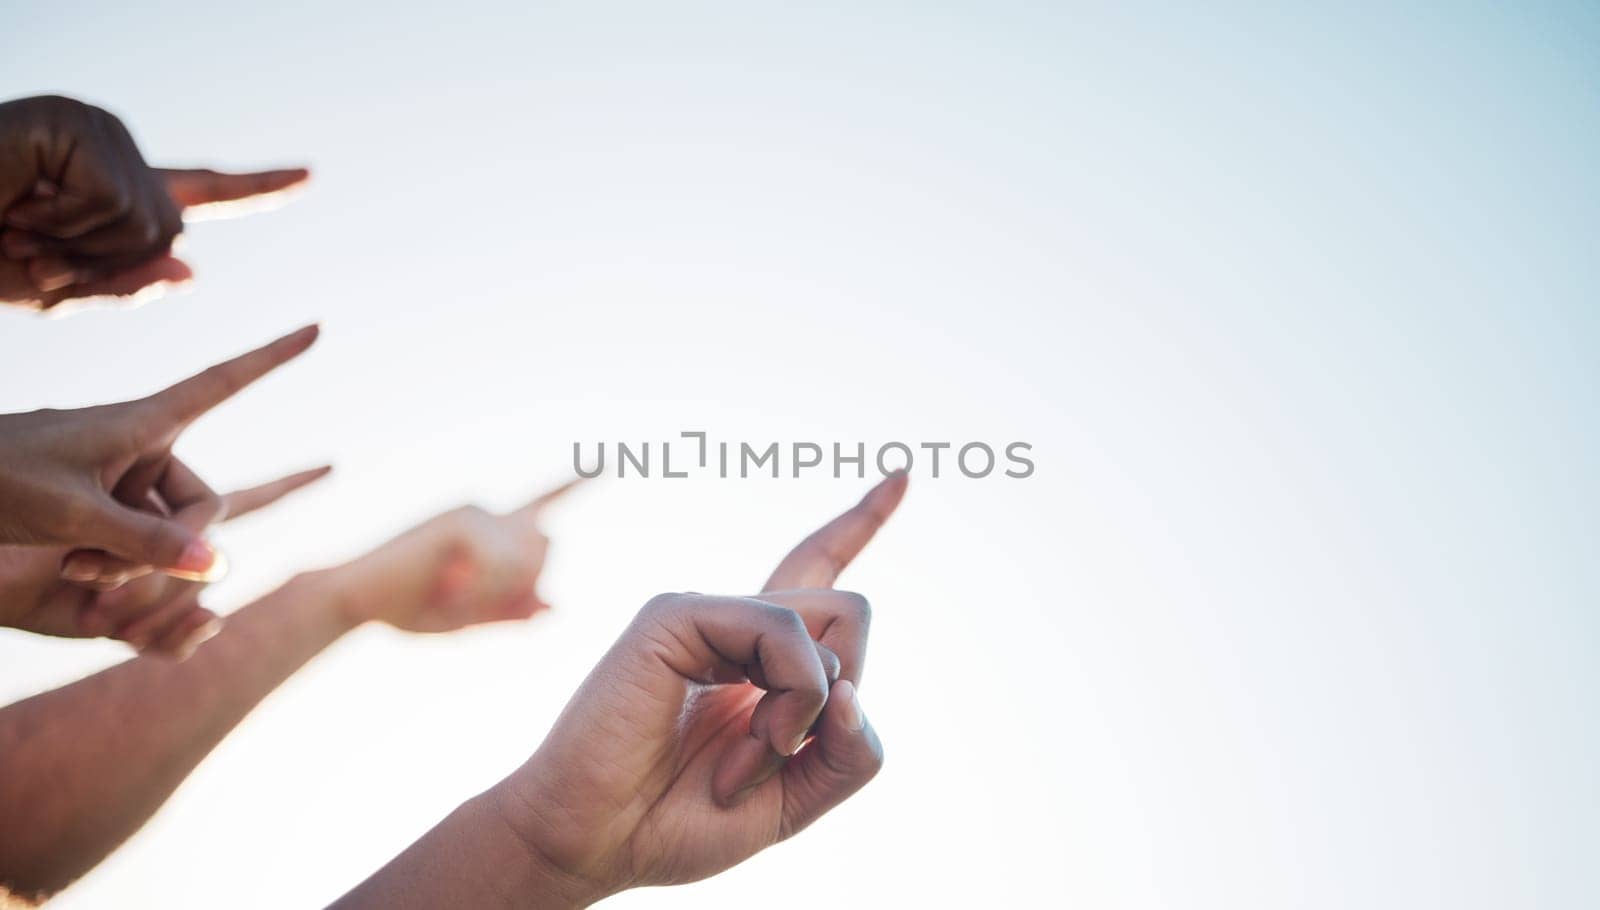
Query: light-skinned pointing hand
461 568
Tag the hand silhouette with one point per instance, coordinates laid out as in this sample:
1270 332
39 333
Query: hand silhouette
85 217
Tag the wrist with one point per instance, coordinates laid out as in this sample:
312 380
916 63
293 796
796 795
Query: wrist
376 586
333 595
547 878
474 857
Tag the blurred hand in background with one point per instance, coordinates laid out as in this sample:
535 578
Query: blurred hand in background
465 566
113 746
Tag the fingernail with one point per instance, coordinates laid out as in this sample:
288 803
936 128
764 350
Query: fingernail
853 718
198 556
217 570
798 742
79 571
199 637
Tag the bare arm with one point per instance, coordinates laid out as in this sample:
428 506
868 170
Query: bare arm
82 767
714 728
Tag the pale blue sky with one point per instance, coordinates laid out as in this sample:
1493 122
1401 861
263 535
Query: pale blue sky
1296 305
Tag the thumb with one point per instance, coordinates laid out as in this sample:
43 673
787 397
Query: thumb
841 759
154 540
138 284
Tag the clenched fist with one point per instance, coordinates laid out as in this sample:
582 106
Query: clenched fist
81 213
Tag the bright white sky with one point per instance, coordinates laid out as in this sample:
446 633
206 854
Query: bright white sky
1296 309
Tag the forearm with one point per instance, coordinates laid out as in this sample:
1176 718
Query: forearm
82 767
473 858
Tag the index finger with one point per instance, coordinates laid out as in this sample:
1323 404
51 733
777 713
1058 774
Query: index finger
538 503
818 560
243 502
191 187
840 620
182 403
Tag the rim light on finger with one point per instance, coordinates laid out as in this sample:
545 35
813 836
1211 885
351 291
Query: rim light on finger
218 571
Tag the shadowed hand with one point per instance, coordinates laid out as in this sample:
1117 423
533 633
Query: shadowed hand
85 217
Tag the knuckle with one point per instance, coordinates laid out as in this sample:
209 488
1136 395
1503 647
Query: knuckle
114 199
786 619
476 522
856 606
458 524
112 126
830 663
105 117
661 605
63 106
54 102
168 226
874 760
155 541
813 696
147 233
